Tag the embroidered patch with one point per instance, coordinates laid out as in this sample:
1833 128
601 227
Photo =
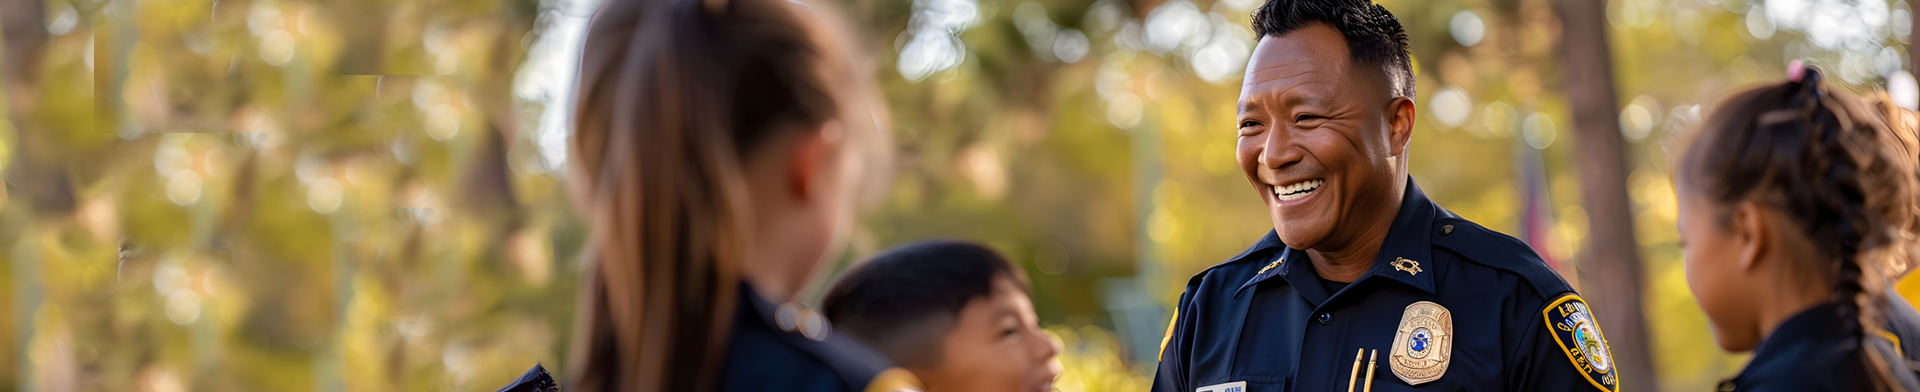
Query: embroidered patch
1574 328
1423 345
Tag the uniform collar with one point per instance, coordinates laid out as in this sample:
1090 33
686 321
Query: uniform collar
751 306
1408 238
1789 342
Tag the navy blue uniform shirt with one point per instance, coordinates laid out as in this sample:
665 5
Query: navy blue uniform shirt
761 356
1813 351
1448 305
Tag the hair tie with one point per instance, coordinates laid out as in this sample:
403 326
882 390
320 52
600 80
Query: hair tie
1809 92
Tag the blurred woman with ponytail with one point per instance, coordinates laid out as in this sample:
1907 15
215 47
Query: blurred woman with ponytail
718 150
1798 207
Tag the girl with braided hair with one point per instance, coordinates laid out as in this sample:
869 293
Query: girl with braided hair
718 150
1797 208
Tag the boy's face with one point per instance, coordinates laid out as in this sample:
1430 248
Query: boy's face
995 345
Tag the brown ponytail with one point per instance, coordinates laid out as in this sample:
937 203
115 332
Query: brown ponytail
674 95
1834 167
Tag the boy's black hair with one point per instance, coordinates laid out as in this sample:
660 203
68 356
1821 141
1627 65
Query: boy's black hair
906 299
1374 37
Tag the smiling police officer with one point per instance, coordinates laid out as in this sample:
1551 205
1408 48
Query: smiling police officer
1361 264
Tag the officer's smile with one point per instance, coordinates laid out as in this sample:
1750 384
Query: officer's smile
1297 190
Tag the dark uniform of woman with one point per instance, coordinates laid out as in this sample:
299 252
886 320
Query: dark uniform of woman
764 356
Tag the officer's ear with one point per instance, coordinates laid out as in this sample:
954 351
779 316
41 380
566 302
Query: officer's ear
1749 227
1400 115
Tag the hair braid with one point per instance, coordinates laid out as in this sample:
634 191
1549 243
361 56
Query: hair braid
1839 190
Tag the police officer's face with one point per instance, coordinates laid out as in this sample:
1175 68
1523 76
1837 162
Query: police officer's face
995 345
1316 140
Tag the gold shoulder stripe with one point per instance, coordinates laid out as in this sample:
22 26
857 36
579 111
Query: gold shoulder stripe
1169 336
895 380
1884 333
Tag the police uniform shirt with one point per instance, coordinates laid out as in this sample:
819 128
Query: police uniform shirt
762 357
1813 351
1448 305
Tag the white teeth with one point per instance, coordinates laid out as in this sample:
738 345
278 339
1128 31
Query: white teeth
1297 190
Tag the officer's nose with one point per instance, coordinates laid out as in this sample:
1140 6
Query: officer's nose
1277 149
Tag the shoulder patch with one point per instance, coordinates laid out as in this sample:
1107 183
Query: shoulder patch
895 380
1573 327
1483 246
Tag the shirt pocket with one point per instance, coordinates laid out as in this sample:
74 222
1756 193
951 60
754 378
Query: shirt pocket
1390 383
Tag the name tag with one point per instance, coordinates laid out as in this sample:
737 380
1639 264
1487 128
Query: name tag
1236 386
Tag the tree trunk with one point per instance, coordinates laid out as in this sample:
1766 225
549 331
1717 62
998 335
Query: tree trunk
36 167
1600 154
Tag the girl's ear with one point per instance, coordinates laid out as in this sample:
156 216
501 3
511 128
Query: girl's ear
1749 226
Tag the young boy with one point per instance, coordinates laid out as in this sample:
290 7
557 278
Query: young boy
955 314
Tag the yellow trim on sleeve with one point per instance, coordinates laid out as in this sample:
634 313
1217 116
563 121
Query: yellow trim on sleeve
1884 333
895 380
1169 336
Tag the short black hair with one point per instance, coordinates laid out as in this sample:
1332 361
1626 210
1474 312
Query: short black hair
906 299
1374 37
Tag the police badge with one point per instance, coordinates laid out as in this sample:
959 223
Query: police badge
1424 343
1573 327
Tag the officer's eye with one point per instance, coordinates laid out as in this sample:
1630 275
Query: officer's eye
1248 123
1306 117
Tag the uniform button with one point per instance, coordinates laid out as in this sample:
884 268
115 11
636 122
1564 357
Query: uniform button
1326 318
1446 229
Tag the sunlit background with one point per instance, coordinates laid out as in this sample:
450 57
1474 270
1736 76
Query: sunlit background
364 195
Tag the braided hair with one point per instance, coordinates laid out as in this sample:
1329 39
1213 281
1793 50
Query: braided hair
1833 166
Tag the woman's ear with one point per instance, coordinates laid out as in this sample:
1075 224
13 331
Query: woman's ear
1750 227
812 152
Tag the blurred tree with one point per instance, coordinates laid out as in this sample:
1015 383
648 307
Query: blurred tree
1613 251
